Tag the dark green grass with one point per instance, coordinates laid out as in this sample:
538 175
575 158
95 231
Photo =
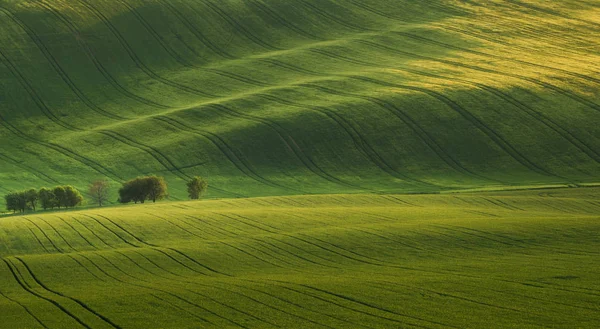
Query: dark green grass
526 259
273 97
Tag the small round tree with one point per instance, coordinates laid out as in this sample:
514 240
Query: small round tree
196 187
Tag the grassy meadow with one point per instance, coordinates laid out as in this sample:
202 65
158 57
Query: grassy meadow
371 163
523 259
273 97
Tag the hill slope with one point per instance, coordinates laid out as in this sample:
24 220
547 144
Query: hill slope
272 97
502 260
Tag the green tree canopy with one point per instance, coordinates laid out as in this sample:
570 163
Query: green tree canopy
196 187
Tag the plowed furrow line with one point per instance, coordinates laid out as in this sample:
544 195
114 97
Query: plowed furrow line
79 233
256 301
215 228
187 284
362 144
97 64
164 45
481 213
484 128
294 254
29 169
93 233
58 234
372 10
359 141
251 255
343 255
62 150
289 141
548 122
273 255
158 248
354 309
261 7
287 66
134 57
483 236
196 32
235 76
508 205
35 97
378 307
395 241
234 157
27 288
238 27
54 63
268 230
538 82
26 310
496 236
153 247
299 306
498 204
411 123
389 285
44 234
38 240
152 151
497 41
177 225
399 201
314 254
151 288
112 232
221 231
333 18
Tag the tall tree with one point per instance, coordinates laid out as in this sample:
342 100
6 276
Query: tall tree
72 197
61 196
143 188
47 198
31 197
99 191
12 202
196 187
157 188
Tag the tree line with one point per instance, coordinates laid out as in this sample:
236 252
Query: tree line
61 196
140 189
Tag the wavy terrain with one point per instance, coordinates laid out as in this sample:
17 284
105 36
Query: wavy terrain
526 259
272 97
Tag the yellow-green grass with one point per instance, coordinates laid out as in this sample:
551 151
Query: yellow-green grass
521 259
274 97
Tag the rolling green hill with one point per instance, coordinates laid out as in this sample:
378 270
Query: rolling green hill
526 259
274 97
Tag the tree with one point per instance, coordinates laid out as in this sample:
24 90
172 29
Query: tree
143 188
31 197
157 188
99 191
196 187
133 190
72 197
12 202
61 196
47 198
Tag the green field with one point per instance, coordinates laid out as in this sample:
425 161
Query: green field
526 259
371 163
274 97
